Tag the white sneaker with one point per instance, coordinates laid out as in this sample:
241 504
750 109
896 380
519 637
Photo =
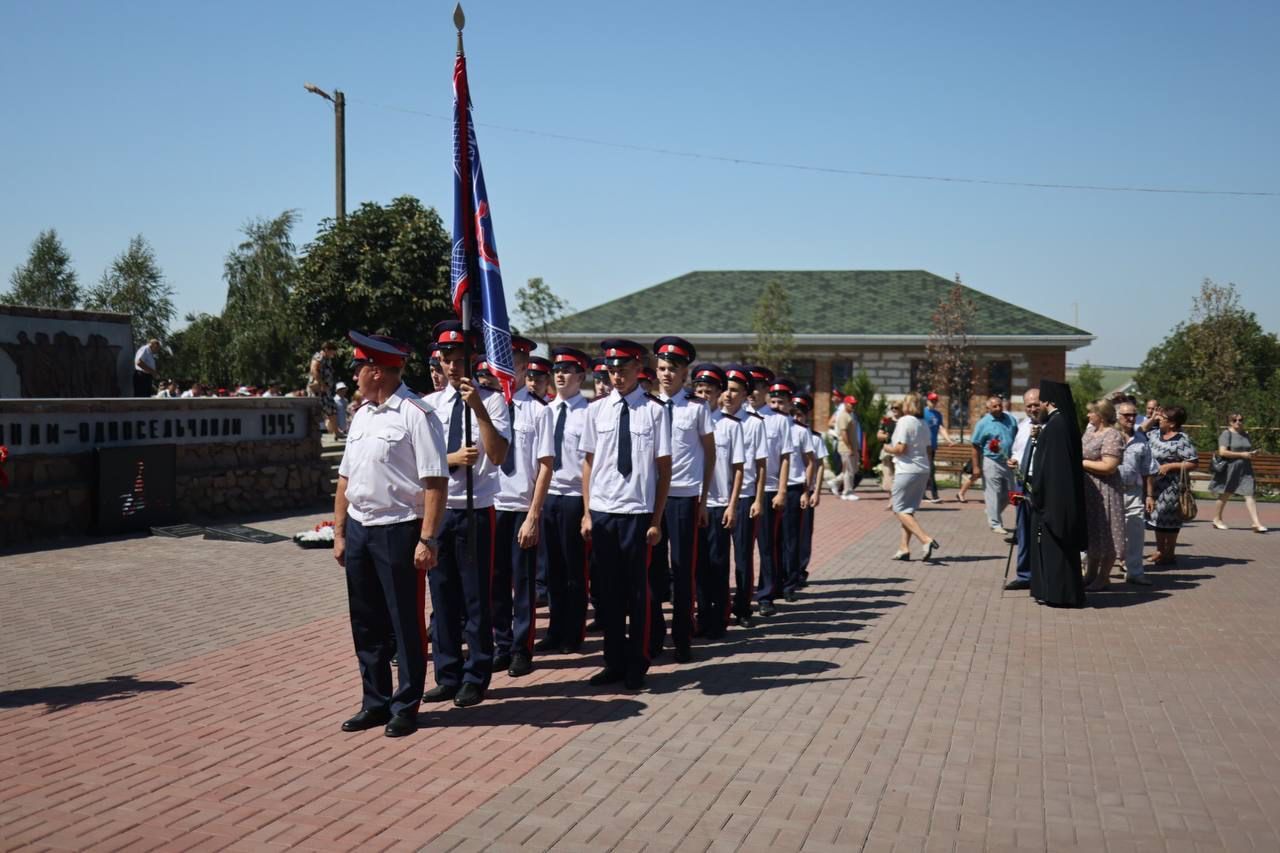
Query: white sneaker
995 528
849 497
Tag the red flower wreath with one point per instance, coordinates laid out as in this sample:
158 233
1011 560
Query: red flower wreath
994 445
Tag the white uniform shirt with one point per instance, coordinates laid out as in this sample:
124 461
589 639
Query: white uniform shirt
820 456
531 441
800 445
730 451
650 441
690 421
391 449
1021 440
567 480
484 473
754 448
777 443
145 356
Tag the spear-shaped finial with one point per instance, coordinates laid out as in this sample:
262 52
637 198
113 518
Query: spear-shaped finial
459 21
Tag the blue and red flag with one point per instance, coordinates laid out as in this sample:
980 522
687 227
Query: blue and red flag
475 252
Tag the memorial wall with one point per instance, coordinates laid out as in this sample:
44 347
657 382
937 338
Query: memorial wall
51 352
105 466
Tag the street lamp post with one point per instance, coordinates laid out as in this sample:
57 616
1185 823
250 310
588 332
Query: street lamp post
339 102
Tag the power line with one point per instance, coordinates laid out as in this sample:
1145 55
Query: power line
830 170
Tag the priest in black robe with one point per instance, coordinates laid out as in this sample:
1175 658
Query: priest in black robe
1055 487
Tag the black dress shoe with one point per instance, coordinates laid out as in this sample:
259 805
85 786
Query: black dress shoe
1018 583
520 665
546 644
790 596
683 655
501 662
366 719
700 633
440 693
634 681
594 626
767 608
606 676
745 622
571 648
401 725
656 652
469 694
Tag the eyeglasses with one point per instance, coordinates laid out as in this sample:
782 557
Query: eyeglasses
1128 414
1237 420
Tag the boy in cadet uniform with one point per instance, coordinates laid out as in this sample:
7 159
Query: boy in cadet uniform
648 378
778 446
626 471
537 378
460 589
387 511
780 394
483 377
722 505
803 404
693 456
600 379
562 510
523 479
751 497
438 380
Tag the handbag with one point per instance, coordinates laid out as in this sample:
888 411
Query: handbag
1217 465
1186 498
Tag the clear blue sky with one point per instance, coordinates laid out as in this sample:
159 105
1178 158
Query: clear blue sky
181 121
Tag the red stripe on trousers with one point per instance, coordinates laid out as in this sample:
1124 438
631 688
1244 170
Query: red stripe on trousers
648 595
586 586
693 579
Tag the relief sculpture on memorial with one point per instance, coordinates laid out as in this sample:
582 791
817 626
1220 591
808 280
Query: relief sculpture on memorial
63 366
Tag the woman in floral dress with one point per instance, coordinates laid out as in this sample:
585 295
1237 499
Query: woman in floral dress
1174 453
1102 448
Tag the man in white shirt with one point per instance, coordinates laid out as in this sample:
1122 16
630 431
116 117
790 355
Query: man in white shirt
341 397
803 409
562 509
798 474
751 497
523 479
626 472
460 583
712 571
692 465
1019 459
144 368
778 444
387 512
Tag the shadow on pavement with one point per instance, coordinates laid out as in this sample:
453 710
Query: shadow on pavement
562 708
62 697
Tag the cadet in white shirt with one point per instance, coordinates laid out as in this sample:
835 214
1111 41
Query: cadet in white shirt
751 498
722 505
803 405
626 472
522 486
777 431
562 510
460 589
780 394
387 512
537 378
693 455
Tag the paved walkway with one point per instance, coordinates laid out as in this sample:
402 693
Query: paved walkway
188 694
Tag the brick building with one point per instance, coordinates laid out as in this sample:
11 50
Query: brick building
845 321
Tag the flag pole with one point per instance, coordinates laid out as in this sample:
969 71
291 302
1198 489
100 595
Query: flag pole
469 253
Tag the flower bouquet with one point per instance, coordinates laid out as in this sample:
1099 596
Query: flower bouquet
320 536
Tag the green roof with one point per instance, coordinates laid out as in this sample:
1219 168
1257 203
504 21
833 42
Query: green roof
823 302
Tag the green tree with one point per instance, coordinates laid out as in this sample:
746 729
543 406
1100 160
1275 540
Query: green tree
949 354
774 328
46 280
1085 388
540 308
383 270
261 272
133 284
199 352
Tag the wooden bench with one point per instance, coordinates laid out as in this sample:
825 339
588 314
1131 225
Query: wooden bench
1266 468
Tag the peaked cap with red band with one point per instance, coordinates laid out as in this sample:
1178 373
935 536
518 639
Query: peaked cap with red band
599 367
738 373
782 387
760 373
378 350
675 349
482 367
449 335
710 373
802 401
617 351
569 358
538 364
519 343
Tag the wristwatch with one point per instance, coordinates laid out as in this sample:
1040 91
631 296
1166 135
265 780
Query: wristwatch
430 541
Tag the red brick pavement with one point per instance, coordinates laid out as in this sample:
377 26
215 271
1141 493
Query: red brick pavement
897 706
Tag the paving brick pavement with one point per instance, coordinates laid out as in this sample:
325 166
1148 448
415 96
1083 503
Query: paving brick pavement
897 706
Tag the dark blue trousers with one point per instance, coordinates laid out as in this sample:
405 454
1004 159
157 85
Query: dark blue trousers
566 569
713 574
461 607
791 536
543 557
514 576
744 548
1022 527
622 588
681 518
385 594
770 582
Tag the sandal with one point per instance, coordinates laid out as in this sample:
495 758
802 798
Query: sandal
1220 525
902 555
1258 528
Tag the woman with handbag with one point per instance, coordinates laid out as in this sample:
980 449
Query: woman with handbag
1176 456
1232 470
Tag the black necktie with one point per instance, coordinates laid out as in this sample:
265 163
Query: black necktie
671 415
509 464
564 408
455 429
624 440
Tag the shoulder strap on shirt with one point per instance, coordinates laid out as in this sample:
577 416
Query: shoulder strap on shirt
655 398
418 403
731 417
757 415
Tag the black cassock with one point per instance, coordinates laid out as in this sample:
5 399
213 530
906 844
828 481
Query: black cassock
1056 491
